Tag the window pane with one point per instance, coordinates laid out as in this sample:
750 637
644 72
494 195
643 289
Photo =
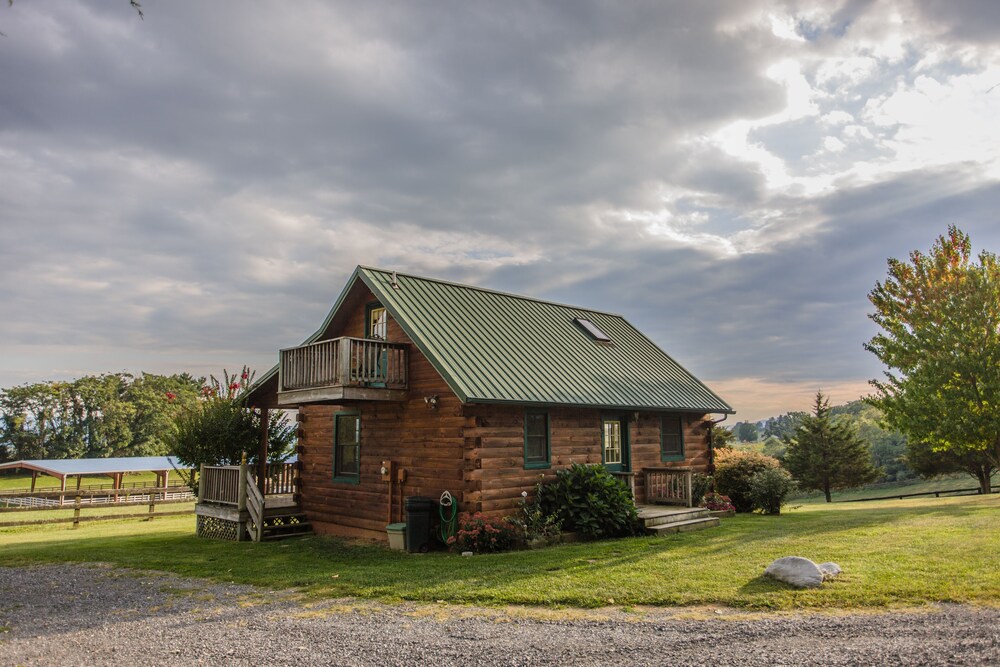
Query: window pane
536 437
673 436
346 447
612 442
377 323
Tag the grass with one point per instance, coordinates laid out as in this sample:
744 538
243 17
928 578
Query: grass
894 553
141 509
945 483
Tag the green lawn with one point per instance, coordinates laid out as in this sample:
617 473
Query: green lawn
958 481
893 553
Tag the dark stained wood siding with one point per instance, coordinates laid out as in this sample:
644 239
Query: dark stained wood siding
494 442
427 442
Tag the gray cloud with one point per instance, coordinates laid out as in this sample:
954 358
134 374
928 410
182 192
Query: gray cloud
192 190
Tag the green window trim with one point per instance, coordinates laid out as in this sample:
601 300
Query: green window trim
339 475
534 436
671 437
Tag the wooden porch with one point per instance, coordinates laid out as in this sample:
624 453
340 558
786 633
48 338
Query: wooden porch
661 485
232 506
342 369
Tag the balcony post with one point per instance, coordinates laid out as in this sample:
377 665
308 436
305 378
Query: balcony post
344 372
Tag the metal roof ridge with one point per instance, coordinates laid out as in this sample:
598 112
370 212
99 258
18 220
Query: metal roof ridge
477 288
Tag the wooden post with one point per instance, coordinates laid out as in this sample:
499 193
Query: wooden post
62 496
687 488
262 453
344 372
241 500
152 503
201 484
76 510
34 476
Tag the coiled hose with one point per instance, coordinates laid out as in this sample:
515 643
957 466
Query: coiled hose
446 504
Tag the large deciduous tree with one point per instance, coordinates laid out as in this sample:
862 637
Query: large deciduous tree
826 453
940 340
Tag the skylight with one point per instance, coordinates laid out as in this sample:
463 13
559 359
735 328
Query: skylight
592 329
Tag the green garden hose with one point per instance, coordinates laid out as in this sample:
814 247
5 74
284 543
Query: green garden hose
448 523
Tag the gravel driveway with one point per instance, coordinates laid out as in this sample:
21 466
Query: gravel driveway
99 615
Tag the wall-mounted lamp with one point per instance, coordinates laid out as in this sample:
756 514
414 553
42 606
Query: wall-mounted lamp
431 401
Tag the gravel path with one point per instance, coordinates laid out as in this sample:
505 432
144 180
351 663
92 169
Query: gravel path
100 615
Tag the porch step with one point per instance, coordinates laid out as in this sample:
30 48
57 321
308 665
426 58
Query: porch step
278 526
683 526
659 520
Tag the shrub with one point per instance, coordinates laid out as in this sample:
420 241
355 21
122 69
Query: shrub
589 500
700 486
717 502
535 523
481 535
768 489
734 469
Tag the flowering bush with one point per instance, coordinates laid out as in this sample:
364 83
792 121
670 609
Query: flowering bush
718 502
536 525
481 535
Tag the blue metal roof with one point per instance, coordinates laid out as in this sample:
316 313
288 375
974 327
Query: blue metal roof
73 467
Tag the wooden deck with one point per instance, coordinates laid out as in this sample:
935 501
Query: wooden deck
231 507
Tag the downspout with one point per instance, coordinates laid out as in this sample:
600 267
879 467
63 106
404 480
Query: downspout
711 442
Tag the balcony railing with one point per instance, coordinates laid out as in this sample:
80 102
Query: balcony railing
343 363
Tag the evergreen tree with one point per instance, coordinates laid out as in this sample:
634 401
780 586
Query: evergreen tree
827 454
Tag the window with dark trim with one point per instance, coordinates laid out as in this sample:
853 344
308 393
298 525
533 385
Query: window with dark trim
671 438
537 452
347 447
377 320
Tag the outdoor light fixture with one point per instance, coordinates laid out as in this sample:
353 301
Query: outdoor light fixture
431 400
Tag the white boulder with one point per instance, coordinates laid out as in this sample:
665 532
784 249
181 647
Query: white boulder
800 572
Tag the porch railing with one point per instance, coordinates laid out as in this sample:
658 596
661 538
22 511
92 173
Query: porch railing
221 484
343 362
670 486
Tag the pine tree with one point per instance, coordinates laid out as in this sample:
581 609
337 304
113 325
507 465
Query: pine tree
826 454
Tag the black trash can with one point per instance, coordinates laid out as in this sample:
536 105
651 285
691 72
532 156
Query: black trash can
418 523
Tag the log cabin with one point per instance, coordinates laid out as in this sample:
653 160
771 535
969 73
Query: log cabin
414 386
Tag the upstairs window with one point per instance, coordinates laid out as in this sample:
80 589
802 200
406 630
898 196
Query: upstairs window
592 330
671 438
377 322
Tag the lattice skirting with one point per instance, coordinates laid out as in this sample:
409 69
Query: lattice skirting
219 529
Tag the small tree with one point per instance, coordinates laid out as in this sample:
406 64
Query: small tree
827 454
220 430
928 462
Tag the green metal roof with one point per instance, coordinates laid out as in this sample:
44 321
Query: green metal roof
493 347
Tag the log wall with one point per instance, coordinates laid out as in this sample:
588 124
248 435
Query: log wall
425 441
494 451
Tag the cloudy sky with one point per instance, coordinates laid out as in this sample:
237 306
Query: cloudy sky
190 191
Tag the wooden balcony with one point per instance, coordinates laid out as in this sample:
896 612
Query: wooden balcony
342 369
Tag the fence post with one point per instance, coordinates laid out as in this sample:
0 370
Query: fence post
152 503
76 510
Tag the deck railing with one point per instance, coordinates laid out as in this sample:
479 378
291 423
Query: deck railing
343 362
668 485
221 484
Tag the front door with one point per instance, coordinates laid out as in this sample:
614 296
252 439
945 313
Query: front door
615 450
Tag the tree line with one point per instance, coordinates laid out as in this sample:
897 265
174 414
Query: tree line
95 416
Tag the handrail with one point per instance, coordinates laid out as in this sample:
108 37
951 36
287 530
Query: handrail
342 362
669 485
255 507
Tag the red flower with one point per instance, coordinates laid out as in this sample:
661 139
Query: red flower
245 375
171 396
234 386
